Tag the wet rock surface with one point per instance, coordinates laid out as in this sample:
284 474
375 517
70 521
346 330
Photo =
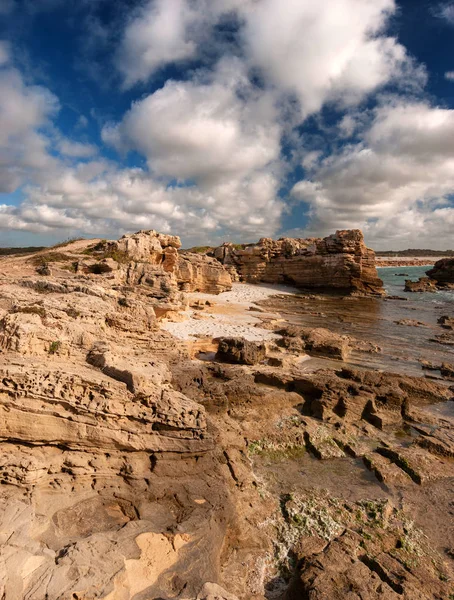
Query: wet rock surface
440 277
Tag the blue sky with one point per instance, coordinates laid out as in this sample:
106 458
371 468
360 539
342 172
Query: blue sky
227 119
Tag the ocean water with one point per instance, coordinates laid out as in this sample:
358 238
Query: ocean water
376 320
394 283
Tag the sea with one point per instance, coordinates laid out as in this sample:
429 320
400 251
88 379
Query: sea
387 343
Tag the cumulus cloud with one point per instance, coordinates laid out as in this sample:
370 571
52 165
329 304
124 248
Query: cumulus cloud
219 143
333 50
24 110
155 37
100 199
449 75
404 166
76 149
203 130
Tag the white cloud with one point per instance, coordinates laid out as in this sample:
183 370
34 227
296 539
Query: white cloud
331 50
203 131
449 75
76 149
24 111
99 199
155 37
446 11
169 31
82 122
399 179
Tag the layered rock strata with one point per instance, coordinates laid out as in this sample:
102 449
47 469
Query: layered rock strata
153 258
338 262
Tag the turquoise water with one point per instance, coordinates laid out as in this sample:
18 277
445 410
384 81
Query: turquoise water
394 284
377 320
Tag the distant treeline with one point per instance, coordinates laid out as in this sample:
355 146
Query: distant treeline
29 250
415 253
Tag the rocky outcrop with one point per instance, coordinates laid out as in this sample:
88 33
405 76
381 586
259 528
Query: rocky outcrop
315 342
338 262
152 259
443 271
240 351
424 284
148 246
441 277
447 322
201 273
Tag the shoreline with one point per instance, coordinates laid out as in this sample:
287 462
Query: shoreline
229 314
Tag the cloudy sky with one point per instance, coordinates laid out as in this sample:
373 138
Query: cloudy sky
227 119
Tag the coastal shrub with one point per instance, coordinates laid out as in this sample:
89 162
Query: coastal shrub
54 347
50 257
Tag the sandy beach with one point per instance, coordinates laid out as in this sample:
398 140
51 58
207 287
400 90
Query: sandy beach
229 314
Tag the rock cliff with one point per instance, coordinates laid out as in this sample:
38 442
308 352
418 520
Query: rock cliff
338 262
201 273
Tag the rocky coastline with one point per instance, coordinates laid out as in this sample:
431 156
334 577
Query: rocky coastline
169 432
440 277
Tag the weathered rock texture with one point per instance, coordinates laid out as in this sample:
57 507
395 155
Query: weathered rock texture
150 258
443 271
439 278
201 273
240 351
109 474
338 262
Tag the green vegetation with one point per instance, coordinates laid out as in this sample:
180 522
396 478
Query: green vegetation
54 347
276 451
104 249
68 241
50 257
17 251
33 309
199 249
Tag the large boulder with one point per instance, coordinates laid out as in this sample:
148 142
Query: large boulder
424 284
315 342
338 262
443 271
240 351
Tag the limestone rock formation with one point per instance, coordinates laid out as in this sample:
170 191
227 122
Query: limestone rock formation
338 262
446 322
441 277
240 351
424 284
153 259
443 271
201 273
315 342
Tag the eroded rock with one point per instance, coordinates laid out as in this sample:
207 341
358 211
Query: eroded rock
338 262
240 351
